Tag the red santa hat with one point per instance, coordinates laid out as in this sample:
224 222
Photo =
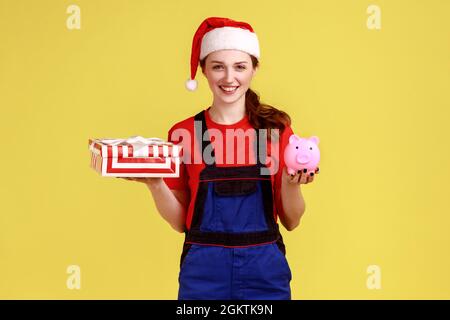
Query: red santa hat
215 34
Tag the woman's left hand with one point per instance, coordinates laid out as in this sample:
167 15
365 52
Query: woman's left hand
301 177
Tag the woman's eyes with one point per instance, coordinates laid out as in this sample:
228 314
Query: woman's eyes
239 67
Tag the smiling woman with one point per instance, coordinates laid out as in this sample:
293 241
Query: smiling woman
229 212
231 223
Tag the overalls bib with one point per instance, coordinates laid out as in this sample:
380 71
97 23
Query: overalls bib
233 248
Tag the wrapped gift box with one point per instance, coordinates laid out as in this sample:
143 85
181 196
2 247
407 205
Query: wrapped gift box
135 157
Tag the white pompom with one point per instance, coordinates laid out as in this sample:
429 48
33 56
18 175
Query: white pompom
191 85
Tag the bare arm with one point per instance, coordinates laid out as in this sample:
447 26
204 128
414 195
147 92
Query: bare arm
292 198
171 204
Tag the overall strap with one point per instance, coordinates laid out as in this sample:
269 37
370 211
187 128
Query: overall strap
201 131
260 147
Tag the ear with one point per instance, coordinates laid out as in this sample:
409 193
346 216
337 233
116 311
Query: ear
255 70
294 138
314 139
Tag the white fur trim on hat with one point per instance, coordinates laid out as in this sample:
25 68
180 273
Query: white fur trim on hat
229 38
191 85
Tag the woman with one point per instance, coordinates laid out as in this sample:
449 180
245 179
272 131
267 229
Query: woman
228 203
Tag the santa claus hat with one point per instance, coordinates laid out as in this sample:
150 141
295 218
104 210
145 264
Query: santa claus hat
215 34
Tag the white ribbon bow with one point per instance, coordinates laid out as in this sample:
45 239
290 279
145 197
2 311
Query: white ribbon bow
134 140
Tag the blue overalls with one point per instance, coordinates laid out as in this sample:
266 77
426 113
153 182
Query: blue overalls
233 249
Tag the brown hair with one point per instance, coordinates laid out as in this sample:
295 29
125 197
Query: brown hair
261 115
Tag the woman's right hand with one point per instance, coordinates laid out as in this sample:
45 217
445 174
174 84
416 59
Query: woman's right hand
171 204
148 181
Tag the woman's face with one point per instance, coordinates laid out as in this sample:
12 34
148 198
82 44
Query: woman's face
229 74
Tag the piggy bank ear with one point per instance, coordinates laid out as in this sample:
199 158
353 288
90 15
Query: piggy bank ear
294 138
315 139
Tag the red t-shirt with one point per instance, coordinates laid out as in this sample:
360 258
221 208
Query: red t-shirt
182 133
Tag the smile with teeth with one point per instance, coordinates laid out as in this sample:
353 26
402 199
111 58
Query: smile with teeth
229 88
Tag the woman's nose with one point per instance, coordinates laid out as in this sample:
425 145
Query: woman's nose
229 76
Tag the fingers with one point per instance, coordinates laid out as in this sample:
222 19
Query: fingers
303 176
310 177
294 178
139 179
297 178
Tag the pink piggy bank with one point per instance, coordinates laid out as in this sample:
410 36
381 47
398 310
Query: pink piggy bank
302 153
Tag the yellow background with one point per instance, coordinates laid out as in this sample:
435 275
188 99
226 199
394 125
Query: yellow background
378 99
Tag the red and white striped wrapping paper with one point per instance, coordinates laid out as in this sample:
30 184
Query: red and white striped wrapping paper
135 157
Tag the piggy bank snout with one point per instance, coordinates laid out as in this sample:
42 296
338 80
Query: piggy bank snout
303 158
